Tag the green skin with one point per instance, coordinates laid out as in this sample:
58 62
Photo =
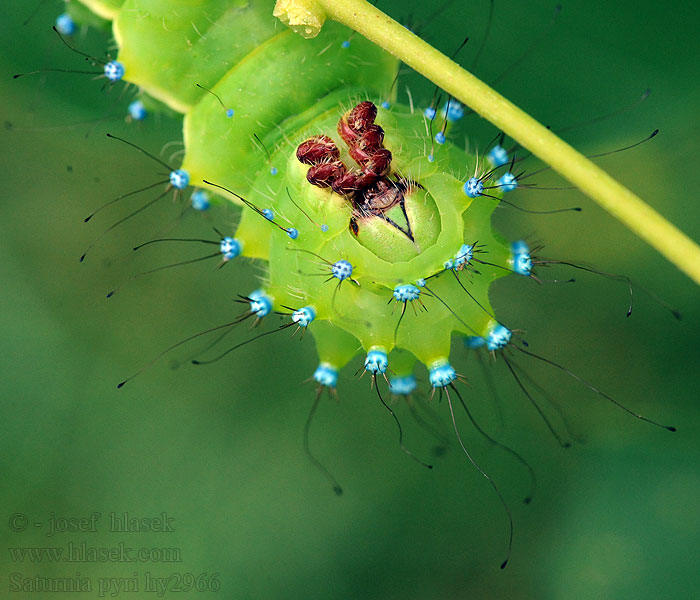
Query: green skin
236 49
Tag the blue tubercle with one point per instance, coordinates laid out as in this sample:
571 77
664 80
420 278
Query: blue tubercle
342 269
386 105
137 111
324 228
230 112
377 361
522 264
442 373
406 292
179 179
440 137
498 156
230 248
507 182
498 337
326 374
463 257
65 24
345 44
260 304
200 200
114 70
454 111
304 316
430 113
402 386
521 259
420 282
273 171
293 233
473 187
268 214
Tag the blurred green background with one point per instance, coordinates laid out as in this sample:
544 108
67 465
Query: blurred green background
219 448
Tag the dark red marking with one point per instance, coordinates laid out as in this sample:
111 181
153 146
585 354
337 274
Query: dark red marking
369 189
325 174
317 150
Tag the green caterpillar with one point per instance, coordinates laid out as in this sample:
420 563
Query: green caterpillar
359 210
394 226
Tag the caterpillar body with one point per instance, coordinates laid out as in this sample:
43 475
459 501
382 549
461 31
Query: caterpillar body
367 210
346 184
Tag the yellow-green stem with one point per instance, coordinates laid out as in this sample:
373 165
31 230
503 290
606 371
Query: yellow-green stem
307 16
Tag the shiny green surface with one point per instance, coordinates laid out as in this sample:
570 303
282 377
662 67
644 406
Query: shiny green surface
219 448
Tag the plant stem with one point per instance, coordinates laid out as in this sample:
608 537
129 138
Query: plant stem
376 26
